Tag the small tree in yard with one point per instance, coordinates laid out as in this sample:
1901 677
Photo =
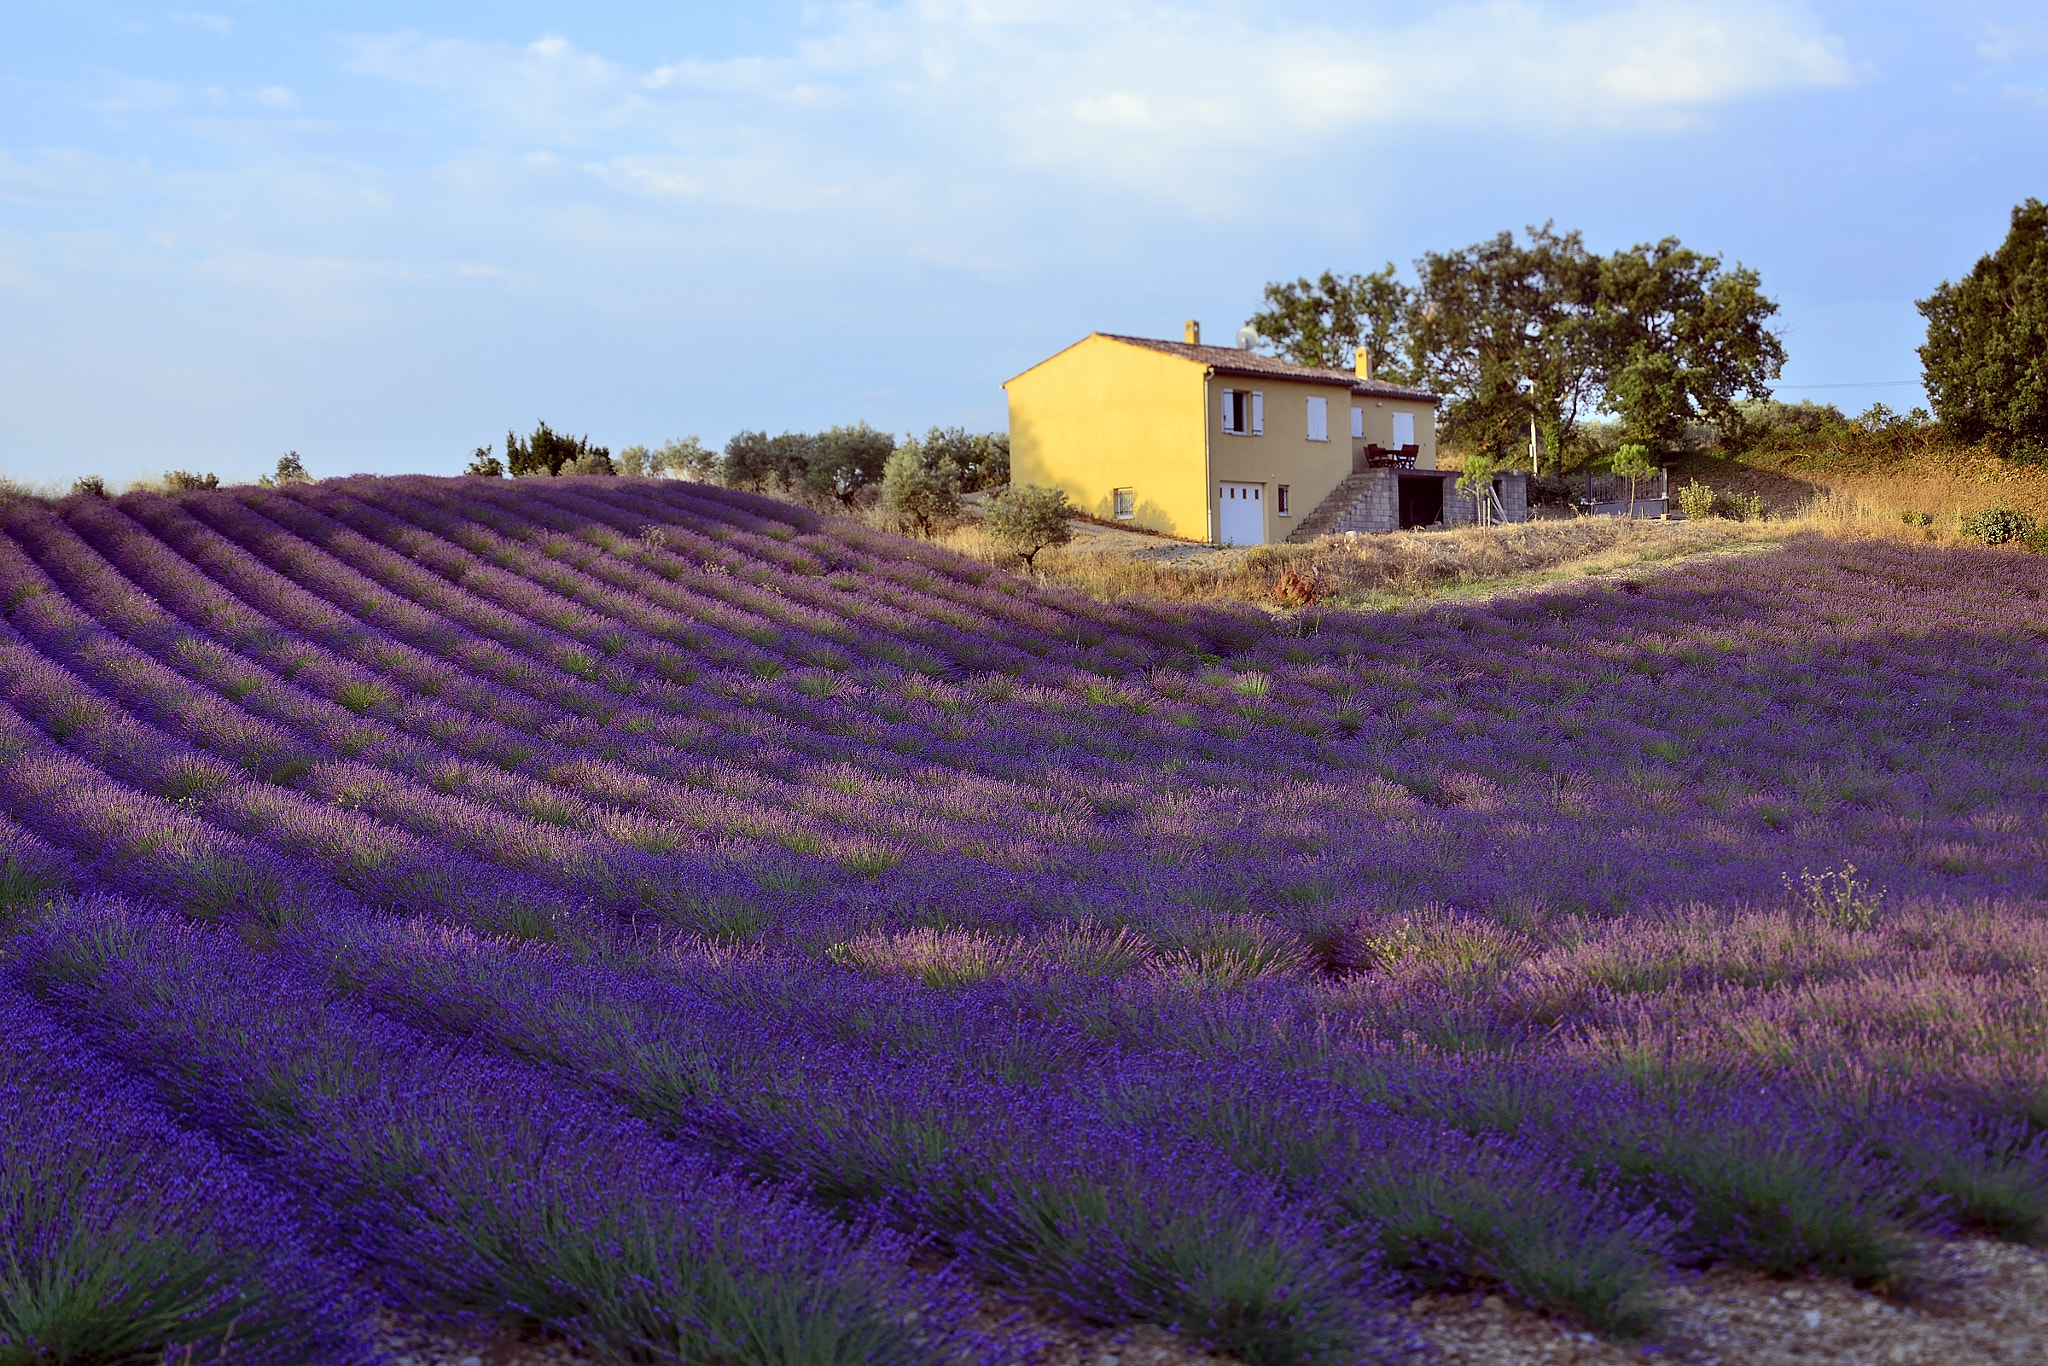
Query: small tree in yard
482 462
921 488
1632 462
1026 519
1477 479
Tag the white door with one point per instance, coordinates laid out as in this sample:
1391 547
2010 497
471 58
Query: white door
1404 430
1243 517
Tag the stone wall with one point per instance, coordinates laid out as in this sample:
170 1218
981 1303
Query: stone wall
1377 506
1514 495
1460 508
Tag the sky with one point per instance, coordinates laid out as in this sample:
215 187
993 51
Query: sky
380 234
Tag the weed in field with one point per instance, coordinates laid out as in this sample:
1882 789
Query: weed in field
1838 896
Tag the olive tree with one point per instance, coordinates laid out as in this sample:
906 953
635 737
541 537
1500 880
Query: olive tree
921 488
1025 519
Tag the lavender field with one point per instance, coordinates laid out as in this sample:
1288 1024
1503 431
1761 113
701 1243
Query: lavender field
665 918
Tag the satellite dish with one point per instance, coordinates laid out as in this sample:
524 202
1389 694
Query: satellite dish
1247 337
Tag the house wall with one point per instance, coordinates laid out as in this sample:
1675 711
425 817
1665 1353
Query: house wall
1379 426
1104 415
1101 416
1282 454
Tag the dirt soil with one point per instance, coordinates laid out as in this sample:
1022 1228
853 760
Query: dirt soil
1986 1305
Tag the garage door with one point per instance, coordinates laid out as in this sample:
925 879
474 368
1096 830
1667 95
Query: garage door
1243 517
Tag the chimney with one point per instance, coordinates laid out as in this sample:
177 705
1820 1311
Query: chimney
1193 333
1364 364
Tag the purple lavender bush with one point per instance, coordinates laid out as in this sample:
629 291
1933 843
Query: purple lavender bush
467 1183
124 1238
1120 951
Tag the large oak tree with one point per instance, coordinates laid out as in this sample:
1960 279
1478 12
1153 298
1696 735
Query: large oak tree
1539 332
1986 357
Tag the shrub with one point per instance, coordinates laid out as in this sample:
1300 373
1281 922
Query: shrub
290 470
921 489
550 452
982 458
1746 507
685 458
1696 501
90 484
482 462
185 479
1998 526
1919 519
1026 519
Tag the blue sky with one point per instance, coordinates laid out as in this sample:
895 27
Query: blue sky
380 234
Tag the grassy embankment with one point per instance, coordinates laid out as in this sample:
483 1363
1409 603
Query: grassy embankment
1852 489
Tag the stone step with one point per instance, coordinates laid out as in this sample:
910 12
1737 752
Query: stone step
1324 517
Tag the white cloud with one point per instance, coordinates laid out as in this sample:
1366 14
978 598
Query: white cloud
219 25
1143 96
2013 42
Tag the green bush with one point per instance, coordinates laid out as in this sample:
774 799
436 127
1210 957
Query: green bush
1998 526
550 452
1919 519
921 487
1746 507
1026 519
1696 501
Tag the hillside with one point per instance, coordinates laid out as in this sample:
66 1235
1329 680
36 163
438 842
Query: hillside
500 881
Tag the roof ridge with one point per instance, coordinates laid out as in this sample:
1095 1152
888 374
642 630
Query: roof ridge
1238 360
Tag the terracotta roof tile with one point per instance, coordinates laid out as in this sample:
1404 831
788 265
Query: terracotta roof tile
1230 360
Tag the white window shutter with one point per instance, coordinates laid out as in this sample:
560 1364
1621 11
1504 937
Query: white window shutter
1258 412
1319 419
1228 394
1358 422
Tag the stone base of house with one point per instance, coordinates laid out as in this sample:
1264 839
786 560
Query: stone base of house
1388 498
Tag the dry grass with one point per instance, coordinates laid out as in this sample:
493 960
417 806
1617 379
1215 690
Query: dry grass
1380 570
1372 570
1948 483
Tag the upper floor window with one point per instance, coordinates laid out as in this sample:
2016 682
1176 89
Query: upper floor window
1126 504
1244 412
1319 419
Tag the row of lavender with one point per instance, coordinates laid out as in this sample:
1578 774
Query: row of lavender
513 1130
337 713
603 743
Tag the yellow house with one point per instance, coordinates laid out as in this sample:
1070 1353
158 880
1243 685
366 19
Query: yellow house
1223 444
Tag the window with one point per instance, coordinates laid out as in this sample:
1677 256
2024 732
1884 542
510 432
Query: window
1319 419
1281 505
1126 504
1358 423
1404 430
1244 412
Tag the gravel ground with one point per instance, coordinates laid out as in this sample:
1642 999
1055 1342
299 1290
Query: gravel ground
1987 1306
